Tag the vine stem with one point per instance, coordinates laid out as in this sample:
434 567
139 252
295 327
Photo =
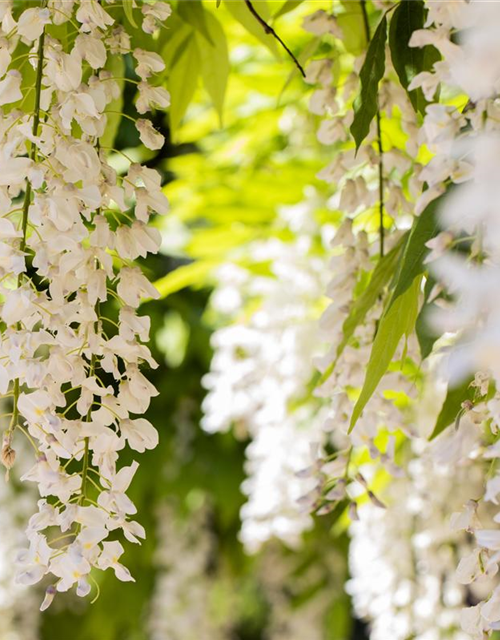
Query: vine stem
85 466
380 147
268 29
27 198
33 149
93 363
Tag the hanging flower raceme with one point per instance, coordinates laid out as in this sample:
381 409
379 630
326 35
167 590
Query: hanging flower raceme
261 366
460 134
76 384
374 185
403 559
465 257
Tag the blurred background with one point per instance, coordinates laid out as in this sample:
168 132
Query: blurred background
230 552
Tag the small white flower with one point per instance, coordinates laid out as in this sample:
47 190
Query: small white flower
92 16
10 87
111 552
14 170
72 567
488 538
320 22
468 567
140 434
32 23
34 563
133 286
91 49
147 63
466 519
114 498
150 138
50 593
154 15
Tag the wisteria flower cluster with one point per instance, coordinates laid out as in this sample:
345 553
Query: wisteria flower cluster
258 372
394 429
73 343
369 183
465 255
449 110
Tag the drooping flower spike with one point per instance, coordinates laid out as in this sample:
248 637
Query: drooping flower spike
70 230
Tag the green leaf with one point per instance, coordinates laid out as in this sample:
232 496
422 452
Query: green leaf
396 322
116 65
424 228
288 6
353 29
425 335
193 274
408 61
366 104
215 63
182 81
240 12
380 277
178 35
451 407
129 12
194 14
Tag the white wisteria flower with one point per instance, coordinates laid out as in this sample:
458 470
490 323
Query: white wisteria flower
78 391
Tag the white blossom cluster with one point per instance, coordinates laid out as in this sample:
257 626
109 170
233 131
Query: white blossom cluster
375 187
351 259
403 559
465 256
460 135
70 231
465 143
260 372
356 175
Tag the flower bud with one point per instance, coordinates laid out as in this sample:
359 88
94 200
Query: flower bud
50 592
353 511
376 501
327 507
467 405
8 455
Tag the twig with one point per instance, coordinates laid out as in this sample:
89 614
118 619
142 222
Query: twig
379 144
268 29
